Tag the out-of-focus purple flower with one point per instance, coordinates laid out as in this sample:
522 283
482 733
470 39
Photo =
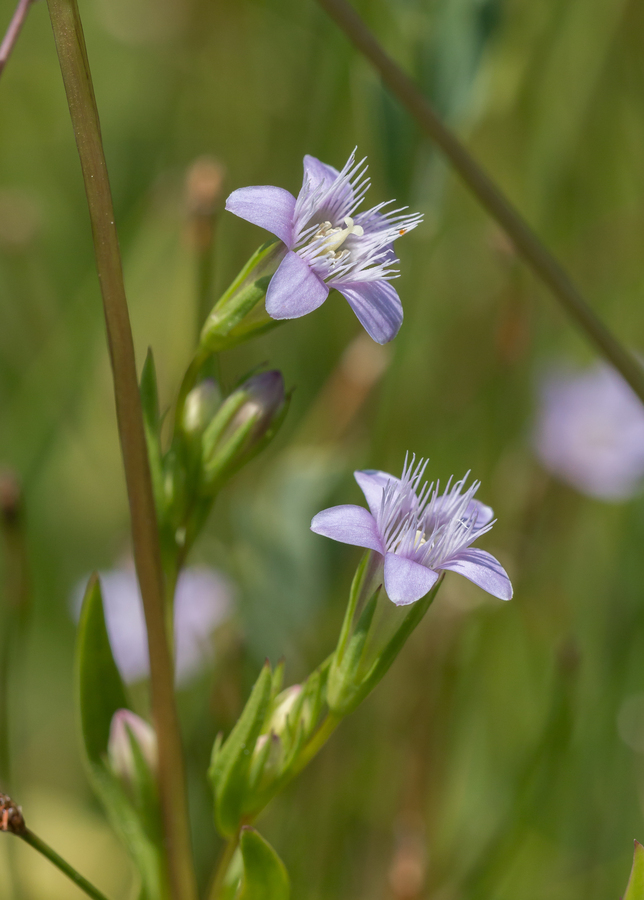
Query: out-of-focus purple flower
329 245
589 432
418 531
203 600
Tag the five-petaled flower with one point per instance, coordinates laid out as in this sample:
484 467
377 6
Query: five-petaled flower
329 245
418 531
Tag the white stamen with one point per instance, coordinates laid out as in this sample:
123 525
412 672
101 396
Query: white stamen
327 240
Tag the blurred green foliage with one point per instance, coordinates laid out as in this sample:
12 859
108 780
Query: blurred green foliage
490 762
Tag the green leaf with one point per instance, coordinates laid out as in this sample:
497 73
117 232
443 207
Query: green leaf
148 855
230 765
635 889
100 690
265 876
151 424
149 392
100 693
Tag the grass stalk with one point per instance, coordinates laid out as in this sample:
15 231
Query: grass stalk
529 246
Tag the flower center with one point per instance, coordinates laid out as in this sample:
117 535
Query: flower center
332 238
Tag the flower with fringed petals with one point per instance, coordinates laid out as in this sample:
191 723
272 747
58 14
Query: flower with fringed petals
330 245
418 531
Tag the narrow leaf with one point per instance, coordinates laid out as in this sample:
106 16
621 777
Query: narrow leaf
265 876
635 889
229 769
149 392
100 690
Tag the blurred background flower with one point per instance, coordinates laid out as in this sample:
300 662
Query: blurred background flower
203 601
589 432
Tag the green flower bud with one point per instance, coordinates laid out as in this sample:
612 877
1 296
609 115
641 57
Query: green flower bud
200 406
245 423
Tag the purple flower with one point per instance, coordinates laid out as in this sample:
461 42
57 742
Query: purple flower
589 432
329 245
202 602
418 531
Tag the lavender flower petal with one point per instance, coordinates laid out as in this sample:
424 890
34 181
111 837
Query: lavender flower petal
294 290
407 581
272 208
372 483
349 525
377 306
317 174
483 569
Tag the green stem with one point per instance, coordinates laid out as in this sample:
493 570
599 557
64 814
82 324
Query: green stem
30 838
222 866
319 739
72 54
542 262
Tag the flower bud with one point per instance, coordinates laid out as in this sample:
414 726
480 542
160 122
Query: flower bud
200 406
284 705
245 423
128 728
267 762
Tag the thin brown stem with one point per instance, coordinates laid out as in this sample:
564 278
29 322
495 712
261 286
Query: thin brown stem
72 54
542 262
14 29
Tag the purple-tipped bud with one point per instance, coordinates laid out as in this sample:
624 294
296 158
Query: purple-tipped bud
127 727
247 421
201 405
264 401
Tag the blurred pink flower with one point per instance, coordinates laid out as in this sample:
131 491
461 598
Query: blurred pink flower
203 600
589 432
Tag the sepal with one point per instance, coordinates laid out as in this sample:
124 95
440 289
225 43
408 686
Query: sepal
635 888
355 667
231 760
237 316
263 750
246 422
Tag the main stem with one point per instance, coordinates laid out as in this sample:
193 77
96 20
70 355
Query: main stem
72 54
542 262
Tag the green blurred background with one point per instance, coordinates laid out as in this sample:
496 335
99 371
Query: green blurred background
489 763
